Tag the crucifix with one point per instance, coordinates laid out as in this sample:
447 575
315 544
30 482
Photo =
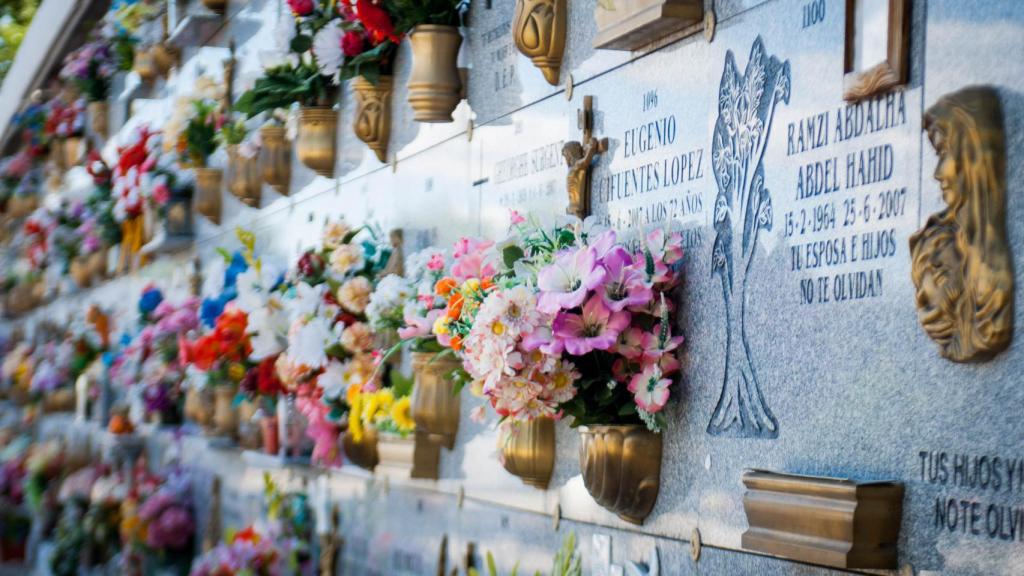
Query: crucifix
579 157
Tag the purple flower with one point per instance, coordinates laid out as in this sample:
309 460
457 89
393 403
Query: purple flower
564 284
626 284
597 328
172 529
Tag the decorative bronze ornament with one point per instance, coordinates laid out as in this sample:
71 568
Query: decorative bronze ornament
529 451
362 453
216 6
276 158
244 180
621 468
208 200
538 30
579 157
435 405
330 544
632 24
961 263
372 122
435 86
316 145
414 456
828 521
396 261
98 119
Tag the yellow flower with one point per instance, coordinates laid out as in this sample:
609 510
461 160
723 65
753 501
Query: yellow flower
498 328
401 414
355 422
236 372
477 388
441 325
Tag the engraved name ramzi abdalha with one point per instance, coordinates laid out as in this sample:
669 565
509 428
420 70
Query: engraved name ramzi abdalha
743 208
961 263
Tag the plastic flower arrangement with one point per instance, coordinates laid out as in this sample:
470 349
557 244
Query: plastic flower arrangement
248 553
424 306
90 69
141 177
575 322
363 42
386 410
202 134
157 522
411 13
65 120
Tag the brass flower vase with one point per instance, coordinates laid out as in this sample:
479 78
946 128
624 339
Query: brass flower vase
98 265
208 185
372 122
80 271
225 418
71 148
250 433
621 468
316 145
413 456
199 406
276 158
435 87
59 400
20 206
538 30
528 451
165 57
144 64
362 453
217 6
435 405
244 177
98 118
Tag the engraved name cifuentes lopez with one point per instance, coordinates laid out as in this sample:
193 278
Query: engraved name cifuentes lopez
743 207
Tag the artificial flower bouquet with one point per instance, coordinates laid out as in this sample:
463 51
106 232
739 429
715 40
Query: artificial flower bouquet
359 39
158 525
91 68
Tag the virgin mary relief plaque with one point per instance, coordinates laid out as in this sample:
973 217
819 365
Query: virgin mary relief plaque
961 263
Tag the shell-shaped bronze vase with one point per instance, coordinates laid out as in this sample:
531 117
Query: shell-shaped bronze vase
528 451
372 122
538 30
621 468
208 185
99 121
316 145
362 453
276 158
245 179
435 405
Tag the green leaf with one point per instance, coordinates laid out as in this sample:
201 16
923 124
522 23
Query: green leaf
301 43
491 568
627 409
511 254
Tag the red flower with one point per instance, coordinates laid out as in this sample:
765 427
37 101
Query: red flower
229 334
352 43
301 7
377 22
205 352
267 382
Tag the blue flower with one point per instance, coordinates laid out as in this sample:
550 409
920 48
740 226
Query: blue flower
149 300
236 267
211 309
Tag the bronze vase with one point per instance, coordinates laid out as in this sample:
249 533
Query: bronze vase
538 30
435 405
244 177
208 185
413 456
621 468
435 86
98 118
528 451
316 145
71 148
165 57
372 122
80 271
98 265
276 158
225 418
144 64
362 453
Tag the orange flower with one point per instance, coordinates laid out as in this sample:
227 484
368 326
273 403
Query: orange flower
456 343
455 306
445 286
487 283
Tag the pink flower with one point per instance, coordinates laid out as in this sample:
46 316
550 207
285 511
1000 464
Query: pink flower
664 252
516 217
418 326
565 283
436 263
472 259
597 328
301 7
161 194
626 284
650 390
352 43
646 347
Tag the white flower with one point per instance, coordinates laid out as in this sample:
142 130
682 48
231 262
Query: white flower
334 234
306 300
327 49
332 381
308 340
346 258
254 287
268 327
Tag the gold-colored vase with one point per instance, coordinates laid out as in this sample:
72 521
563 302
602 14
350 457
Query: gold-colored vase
98 118
372 122
225 417
208 191
538 30
621 468
316 145
414 456
364 452
276 158
435 405
144 64
244 180
71 148
59 400
20 206
529 451
98 265
250 434
218 6
435 87
199 406
81 272
165 57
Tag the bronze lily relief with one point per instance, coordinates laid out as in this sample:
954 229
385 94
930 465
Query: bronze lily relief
960 261
538 29
372 122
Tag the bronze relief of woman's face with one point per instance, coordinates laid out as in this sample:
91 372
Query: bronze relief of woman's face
941 285
946 169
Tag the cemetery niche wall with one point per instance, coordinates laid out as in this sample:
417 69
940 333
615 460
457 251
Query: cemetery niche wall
850 276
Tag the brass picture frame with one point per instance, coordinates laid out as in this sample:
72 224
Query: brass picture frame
887 74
